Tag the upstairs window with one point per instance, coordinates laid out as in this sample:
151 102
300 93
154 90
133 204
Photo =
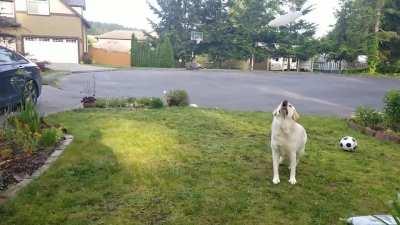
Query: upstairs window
38 7
7 9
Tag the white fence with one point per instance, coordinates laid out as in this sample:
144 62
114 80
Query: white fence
338 67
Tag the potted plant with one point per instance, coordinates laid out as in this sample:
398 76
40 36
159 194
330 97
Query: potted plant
89 101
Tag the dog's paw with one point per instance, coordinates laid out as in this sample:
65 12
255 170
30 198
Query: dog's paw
292 181
276 180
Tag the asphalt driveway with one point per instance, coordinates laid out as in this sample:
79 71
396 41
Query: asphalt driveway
324 94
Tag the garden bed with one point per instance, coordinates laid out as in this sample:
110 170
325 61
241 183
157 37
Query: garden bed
379 134
20 165
26 142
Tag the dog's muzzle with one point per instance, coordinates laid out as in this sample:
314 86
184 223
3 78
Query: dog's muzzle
284 108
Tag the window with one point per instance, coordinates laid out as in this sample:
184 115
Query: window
38 7
7 9
6 56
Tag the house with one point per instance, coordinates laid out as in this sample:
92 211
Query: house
45 30
118 40
281 64
113 48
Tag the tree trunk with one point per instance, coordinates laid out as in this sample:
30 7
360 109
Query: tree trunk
252 62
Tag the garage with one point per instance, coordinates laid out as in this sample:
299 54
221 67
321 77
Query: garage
54 50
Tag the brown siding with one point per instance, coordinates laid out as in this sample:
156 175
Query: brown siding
55 25
101 56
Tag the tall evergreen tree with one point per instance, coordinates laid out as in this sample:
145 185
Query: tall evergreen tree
166 54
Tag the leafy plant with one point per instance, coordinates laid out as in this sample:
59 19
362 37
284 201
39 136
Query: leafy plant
177 98
392 109
50 137
29 115
369 117
21 135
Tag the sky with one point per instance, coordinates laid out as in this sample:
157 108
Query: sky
134 13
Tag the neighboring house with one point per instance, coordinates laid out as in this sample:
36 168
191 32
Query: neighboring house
113 48
45 30
118 40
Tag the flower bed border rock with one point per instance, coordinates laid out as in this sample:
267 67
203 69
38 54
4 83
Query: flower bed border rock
378 134
12 191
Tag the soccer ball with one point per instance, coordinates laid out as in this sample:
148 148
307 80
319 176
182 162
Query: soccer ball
348 144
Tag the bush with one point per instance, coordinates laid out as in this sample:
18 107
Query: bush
369 117
50 137
87 59
151 103
177 98
392 109
21 135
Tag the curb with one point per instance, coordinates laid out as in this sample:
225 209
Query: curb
12 191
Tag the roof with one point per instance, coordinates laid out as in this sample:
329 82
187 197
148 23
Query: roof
69 4
123 35
76 3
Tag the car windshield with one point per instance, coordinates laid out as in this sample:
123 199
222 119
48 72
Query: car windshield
6 56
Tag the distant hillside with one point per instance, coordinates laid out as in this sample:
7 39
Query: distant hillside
101 28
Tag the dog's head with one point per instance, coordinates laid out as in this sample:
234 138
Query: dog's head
286 111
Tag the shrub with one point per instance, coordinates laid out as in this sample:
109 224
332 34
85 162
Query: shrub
87 59
177 98
151 103
369 117
50 137
392 109
21 135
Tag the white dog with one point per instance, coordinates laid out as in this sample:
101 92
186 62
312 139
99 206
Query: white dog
288 140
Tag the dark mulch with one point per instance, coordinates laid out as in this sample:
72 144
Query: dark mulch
19 166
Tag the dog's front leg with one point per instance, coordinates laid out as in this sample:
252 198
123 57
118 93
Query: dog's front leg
292 167
275 163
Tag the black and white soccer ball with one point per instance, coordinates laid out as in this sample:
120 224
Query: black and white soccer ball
348 144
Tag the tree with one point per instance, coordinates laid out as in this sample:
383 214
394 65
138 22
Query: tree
367 27
232 29
166 54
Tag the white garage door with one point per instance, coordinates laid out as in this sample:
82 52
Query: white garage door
55 50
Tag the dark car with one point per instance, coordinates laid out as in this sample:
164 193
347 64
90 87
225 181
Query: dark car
20 79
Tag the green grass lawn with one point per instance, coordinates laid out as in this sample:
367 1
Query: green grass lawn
195 166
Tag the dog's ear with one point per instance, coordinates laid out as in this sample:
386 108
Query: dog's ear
275 113
296 116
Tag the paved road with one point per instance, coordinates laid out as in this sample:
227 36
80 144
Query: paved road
262 91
